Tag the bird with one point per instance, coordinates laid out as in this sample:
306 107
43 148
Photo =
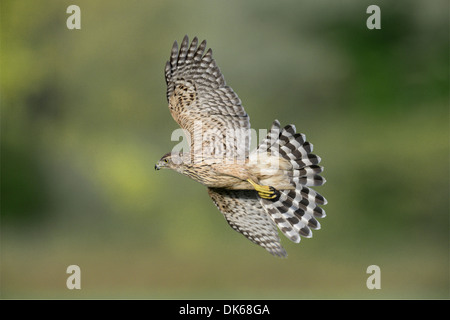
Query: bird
258 191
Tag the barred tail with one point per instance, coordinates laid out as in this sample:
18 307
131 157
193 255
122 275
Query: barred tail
295 212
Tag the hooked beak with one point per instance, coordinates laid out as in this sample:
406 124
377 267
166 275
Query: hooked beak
157 167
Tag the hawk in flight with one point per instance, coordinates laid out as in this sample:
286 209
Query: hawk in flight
256 191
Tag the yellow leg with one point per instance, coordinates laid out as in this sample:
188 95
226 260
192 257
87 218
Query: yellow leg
265 192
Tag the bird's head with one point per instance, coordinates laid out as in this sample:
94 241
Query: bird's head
172 161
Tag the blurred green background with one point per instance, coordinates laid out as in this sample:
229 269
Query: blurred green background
84 119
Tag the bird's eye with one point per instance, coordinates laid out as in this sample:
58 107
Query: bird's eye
166 160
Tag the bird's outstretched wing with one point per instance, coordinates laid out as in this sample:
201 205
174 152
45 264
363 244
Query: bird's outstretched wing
203 105
244 213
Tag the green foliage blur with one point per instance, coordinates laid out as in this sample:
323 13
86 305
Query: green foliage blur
84 119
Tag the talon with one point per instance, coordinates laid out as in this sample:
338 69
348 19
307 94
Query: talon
266 195
265 192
